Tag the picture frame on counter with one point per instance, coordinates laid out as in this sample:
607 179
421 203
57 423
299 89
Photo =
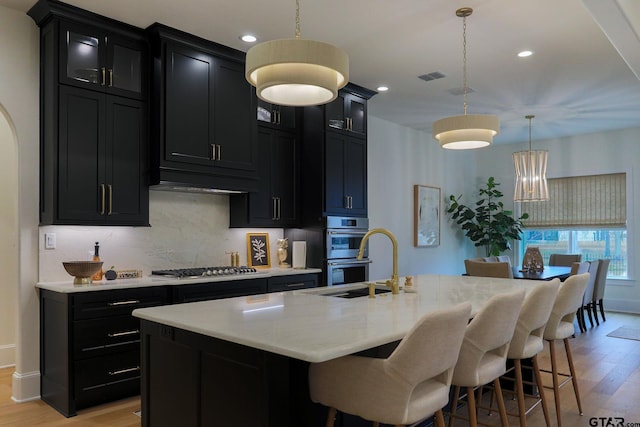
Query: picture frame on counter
258 253
426 216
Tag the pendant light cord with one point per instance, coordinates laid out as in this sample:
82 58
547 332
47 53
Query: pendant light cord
464 61
297 19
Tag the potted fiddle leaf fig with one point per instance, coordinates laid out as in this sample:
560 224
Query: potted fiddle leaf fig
488 224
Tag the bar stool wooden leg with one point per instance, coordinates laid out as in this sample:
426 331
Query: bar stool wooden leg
520 393
503 411
536 371
471 404
554 375
376 424
454 404
331 416
572 371
439 418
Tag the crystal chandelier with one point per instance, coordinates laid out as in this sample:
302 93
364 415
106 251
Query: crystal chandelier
531 173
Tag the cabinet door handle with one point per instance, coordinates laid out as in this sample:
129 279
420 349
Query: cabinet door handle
219 152
278 117
104 77
102 198
279 208
123 334
110 77
124 371
118 303
110 199
273 209
212 156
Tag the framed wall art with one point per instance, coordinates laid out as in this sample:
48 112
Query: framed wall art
426 216
258 250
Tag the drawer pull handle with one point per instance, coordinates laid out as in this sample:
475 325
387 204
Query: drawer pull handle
122 334
117 303
124 371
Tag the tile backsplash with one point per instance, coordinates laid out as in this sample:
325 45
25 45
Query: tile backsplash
187 230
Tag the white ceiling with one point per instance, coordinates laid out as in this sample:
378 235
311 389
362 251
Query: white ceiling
583 77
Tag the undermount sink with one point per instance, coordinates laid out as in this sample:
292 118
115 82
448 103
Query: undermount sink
355 293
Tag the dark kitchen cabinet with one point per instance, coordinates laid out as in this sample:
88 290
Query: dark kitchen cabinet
218 290
101 158
345 175
292 282
347 113
203 114
97 59
275 204
277 116
90 345
93 131
333 164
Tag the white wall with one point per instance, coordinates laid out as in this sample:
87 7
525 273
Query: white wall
597 153
399 158
19 41
8 241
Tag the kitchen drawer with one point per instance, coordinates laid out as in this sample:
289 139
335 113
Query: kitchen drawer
218 290
102 379
290 283
97 337
90 305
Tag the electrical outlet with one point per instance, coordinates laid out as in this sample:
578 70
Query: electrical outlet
49 240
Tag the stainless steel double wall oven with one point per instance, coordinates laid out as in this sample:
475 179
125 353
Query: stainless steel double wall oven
334 248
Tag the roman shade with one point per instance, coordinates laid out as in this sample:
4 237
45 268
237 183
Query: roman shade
581 201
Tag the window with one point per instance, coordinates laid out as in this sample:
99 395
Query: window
592 244
584 215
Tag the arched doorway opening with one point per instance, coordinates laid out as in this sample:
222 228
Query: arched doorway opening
9 237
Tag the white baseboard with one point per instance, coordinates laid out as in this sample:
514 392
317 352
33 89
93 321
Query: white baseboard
26 386
7 355
622 305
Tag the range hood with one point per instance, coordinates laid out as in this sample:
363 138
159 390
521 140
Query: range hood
188 181
188 188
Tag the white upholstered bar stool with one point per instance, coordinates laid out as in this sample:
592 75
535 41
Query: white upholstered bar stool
560 327
483 355
527 342
412 384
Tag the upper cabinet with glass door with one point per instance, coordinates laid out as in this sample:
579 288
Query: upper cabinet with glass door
95 59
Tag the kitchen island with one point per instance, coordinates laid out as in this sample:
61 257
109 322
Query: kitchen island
243 361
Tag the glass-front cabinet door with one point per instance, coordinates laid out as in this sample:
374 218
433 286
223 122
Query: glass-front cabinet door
94 59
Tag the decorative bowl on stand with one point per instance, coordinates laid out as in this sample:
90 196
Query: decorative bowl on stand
82 270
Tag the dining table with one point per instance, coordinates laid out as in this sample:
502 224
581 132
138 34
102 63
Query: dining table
549 272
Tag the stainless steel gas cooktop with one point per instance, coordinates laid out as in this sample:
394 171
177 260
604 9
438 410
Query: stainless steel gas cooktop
204 271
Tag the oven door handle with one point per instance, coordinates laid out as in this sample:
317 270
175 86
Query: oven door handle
350 262
356 233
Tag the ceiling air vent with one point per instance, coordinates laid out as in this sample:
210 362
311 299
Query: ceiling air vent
431 76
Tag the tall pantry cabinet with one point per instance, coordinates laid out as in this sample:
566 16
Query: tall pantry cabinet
94 121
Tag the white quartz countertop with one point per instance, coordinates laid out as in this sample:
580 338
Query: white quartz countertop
306 325
69 287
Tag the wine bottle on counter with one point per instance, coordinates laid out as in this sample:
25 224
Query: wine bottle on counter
96 257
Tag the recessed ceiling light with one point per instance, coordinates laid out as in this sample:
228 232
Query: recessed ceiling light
525 53
382 88
248 38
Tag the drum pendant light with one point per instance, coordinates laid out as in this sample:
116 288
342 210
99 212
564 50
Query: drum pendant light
531 173
297 72
469 130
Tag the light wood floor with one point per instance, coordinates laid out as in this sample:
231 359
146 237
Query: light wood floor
608 373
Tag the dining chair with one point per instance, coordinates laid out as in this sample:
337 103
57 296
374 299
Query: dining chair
564 259
560 327
410 385
598 289
587 298
488 269
579 267
483 355
527 343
